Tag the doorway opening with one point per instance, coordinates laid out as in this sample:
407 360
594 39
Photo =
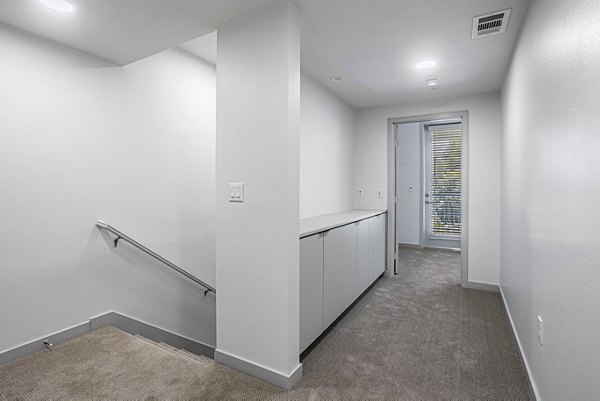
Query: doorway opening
427 168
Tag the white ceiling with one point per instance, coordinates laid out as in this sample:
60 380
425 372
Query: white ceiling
123 31
204 47
374 45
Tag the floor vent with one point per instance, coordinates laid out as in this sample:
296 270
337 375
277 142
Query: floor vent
490 24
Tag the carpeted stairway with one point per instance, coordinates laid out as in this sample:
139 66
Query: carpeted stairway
108 363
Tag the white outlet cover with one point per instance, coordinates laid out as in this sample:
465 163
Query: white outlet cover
380 193
359 193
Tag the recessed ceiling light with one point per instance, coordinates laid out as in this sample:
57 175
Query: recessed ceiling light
58 5
432 82
336 79
426 64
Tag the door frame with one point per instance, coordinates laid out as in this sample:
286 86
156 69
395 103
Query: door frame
392 251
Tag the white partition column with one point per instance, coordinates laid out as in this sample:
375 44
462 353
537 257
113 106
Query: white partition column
258 110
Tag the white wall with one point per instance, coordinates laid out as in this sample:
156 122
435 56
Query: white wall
409 164
327 126
84 140
550 192
257 144
484 170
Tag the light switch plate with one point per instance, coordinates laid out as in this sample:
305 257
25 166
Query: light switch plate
236 192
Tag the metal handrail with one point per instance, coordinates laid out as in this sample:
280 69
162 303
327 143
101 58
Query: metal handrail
155 255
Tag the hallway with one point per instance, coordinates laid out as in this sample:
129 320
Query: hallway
282 149
418 335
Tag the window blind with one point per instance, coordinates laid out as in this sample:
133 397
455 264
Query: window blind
445 181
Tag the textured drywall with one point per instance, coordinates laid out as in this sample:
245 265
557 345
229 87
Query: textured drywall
550 192
84 140
327 127
258 121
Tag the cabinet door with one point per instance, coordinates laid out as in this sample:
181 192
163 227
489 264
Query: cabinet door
381 244
376 247
333 271
348 255
362 256
311 289
373 248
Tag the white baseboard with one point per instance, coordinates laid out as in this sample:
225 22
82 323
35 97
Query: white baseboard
135 326
475 285
262 372
536 393
127 324
38 344
410 246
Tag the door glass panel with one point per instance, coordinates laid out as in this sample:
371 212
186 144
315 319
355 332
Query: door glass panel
444 181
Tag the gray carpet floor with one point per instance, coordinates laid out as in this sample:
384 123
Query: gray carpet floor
416 336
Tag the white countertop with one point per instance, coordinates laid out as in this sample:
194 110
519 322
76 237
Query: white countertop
326 222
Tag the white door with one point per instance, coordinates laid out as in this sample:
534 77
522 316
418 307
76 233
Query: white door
442 195
409 188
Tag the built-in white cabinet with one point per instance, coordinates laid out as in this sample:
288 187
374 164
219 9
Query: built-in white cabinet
362 255
311 289
382 243
336 267
349 261
376 247
339 271
333 272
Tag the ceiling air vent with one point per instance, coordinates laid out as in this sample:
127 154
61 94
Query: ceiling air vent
490 24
